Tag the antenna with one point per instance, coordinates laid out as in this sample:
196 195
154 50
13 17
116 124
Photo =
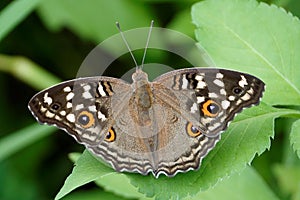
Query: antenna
147 43
126 43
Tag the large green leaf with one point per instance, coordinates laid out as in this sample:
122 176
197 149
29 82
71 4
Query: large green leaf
256 38
248 135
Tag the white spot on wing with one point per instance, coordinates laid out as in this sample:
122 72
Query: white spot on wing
69 105
79 107
231 98
184 83
219 75
223 91
194 108
201 84
87 95
200 99
101 116
62 113
70 96
71 118
43 109
100 90
225 104
243 81
67 89
199 78
86 87
251 91
212 95
49 114
93 108
246 97
219 83
47 99
57 117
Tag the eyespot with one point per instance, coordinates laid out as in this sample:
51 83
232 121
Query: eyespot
192 130
55 107
237 90
86 119
111 135
210 108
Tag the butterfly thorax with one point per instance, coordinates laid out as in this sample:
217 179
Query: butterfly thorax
142 98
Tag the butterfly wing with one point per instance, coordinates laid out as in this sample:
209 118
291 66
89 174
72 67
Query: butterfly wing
81 107
210 97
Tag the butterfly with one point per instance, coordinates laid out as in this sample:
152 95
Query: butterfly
164 127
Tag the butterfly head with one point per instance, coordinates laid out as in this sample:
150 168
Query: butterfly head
139 76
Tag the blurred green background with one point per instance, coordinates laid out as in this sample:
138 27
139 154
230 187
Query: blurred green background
57 35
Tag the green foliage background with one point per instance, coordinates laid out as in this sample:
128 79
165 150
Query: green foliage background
44 41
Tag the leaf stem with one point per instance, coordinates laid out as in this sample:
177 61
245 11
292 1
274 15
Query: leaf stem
27 71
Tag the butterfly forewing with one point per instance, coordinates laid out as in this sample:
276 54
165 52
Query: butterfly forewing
82 107
212 97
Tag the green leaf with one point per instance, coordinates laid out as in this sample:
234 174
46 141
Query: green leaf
99 18
14 13
247 185
249 134
22 138
92 195
255 38
182 22
295 137
288 178
87 169
120 185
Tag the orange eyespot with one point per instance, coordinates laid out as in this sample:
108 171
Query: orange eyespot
111 135
210 108
192 130
86 119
